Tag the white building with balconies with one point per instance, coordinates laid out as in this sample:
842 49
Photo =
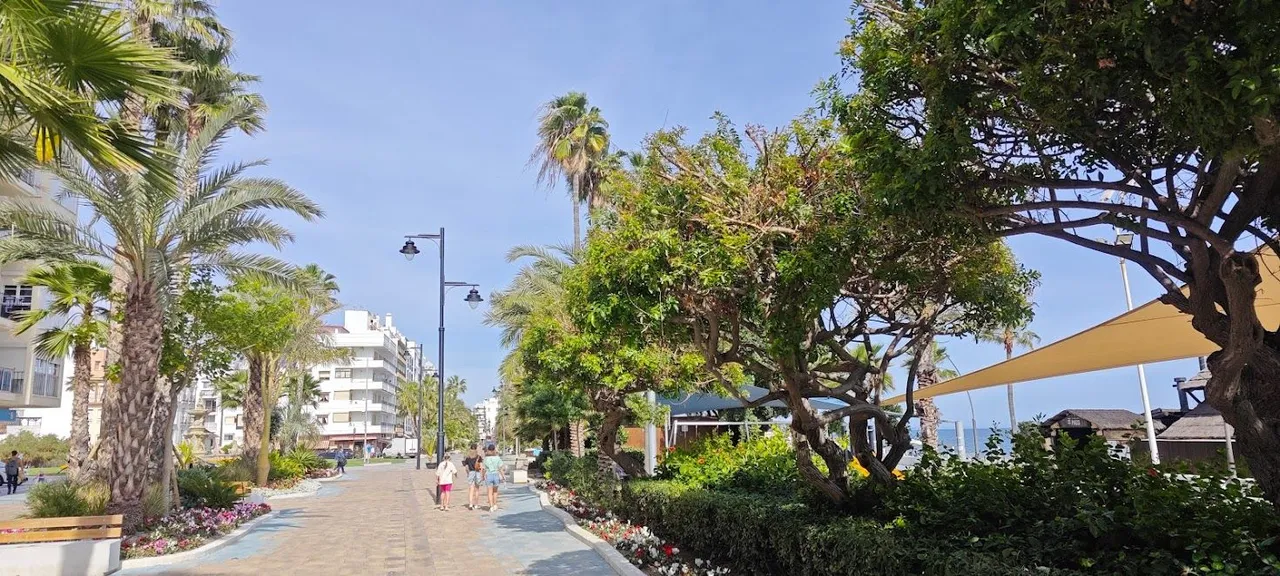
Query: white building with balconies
358 404
27 379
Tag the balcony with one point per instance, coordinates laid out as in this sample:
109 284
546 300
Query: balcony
355 406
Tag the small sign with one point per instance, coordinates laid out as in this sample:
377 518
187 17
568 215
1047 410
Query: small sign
8 415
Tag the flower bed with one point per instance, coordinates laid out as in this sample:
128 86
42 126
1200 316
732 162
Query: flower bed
188 529
637 544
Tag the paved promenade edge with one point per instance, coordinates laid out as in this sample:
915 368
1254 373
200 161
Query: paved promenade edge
607 552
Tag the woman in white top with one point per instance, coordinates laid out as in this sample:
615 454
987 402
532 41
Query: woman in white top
444 479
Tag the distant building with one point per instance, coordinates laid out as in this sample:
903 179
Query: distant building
28 379
486 413
1117 427
1199 434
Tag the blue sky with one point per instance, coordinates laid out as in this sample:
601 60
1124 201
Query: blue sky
416 115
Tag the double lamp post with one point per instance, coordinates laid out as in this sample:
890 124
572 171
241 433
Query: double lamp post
409 250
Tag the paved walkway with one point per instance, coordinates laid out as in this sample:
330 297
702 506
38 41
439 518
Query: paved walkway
381 520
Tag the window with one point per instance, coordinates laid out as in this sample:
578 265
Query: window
341 417
45 378
342 373
228 437
16 298
210 404
6 381
322 419
342 395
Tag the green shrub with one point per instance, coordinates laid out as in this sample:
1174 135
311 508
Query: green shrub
239 469
284 468
206 487
308 460
153 504
763 465
61 499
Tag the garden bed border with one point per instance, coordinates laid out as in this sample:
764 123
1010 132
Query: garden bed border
621 566
226 540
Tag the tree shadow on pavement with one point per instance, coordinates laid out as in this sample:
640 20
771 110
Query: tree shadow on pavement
580 562
534 521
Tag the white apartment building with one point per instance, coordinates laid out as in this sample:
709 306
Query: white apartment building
486 413
359 394
27 380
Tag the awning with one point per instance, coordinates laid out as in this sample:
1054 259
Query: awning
1154 332
702 402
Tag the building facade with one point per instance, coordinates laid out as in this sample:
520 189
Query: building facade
358 405
486 413
28 379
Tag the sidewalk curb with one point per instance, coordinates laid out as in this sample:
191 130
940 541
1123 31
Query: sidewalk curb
330 479
611 556
227 540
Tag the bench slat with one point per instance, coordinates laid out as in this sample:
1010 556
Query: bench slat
65 522
59 535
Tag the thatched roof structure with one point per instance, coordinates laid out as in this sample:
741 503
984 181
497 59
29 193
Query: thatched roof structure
1202 423
1099 419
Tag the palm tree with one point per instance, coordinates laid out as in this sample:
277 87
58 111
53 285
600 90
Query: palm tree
152 231
573 138
61 60
230 395
1011 337
78 293
407 403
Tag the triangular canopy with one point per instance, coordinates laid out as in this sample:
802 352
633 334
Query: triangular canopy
1154 332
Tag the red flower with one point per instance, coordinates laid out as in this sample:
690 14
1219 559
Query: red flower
668 549
1152 472
639 552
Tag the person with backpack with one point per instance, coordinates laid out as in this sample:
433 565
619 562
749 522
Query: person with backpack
341 458
474 466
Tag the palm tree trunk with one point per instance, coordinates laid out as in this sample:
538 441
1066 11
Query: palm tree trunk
80 383
251 405
142 338
926 376
577 224
166 461
1008 355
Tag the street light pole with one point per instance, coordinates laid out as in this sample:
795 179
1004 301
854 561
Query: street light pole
473 298
1126 239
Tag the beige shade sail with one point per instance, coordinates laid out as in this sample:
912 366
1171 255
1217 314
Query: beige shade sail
1153 332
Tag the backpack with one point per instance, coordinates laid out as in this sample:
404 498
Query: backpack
479 465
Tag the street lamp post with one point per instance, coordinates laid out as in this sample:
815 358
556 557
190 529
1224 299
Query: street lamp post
409 250
1125 238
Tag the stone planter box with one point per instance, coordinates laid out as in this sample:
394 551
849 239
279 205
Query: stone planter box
74 558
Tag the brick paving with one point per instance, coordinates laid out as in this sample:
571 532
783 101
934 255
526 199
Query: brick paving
382 521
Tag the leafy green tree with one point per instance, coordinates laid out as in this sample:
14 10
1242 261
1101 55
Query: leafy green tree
78 293
1058 119
61 60
46 450
764 253
573 140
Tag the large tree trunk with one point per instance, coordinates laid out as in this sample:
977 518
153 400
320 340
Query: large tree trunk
253 414
1255 416
162 415
167 461
143 334
80 384
607 452
810 436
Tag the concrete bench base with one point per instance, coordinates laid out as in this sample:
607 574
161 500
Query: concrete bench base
75 558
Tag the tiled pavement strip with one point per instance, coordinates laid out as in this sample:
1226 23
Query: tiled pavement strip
382 521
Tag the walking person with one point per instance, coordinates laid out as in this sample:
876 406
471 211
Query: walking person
444 479
474 466
341 458
12 471
494 469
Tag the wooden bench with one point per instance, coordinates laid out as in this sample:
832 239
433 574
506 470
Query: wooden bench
60 529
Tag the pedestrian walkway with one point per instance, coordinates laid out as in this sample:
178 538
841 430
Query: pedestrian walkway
381 520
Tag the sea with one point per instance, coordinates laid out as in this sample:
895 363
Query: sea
947 437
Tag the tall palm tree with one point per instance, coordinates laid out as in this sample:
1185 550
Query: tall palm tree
407 403
573 139
151 231
1011 337
61 60
78 294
